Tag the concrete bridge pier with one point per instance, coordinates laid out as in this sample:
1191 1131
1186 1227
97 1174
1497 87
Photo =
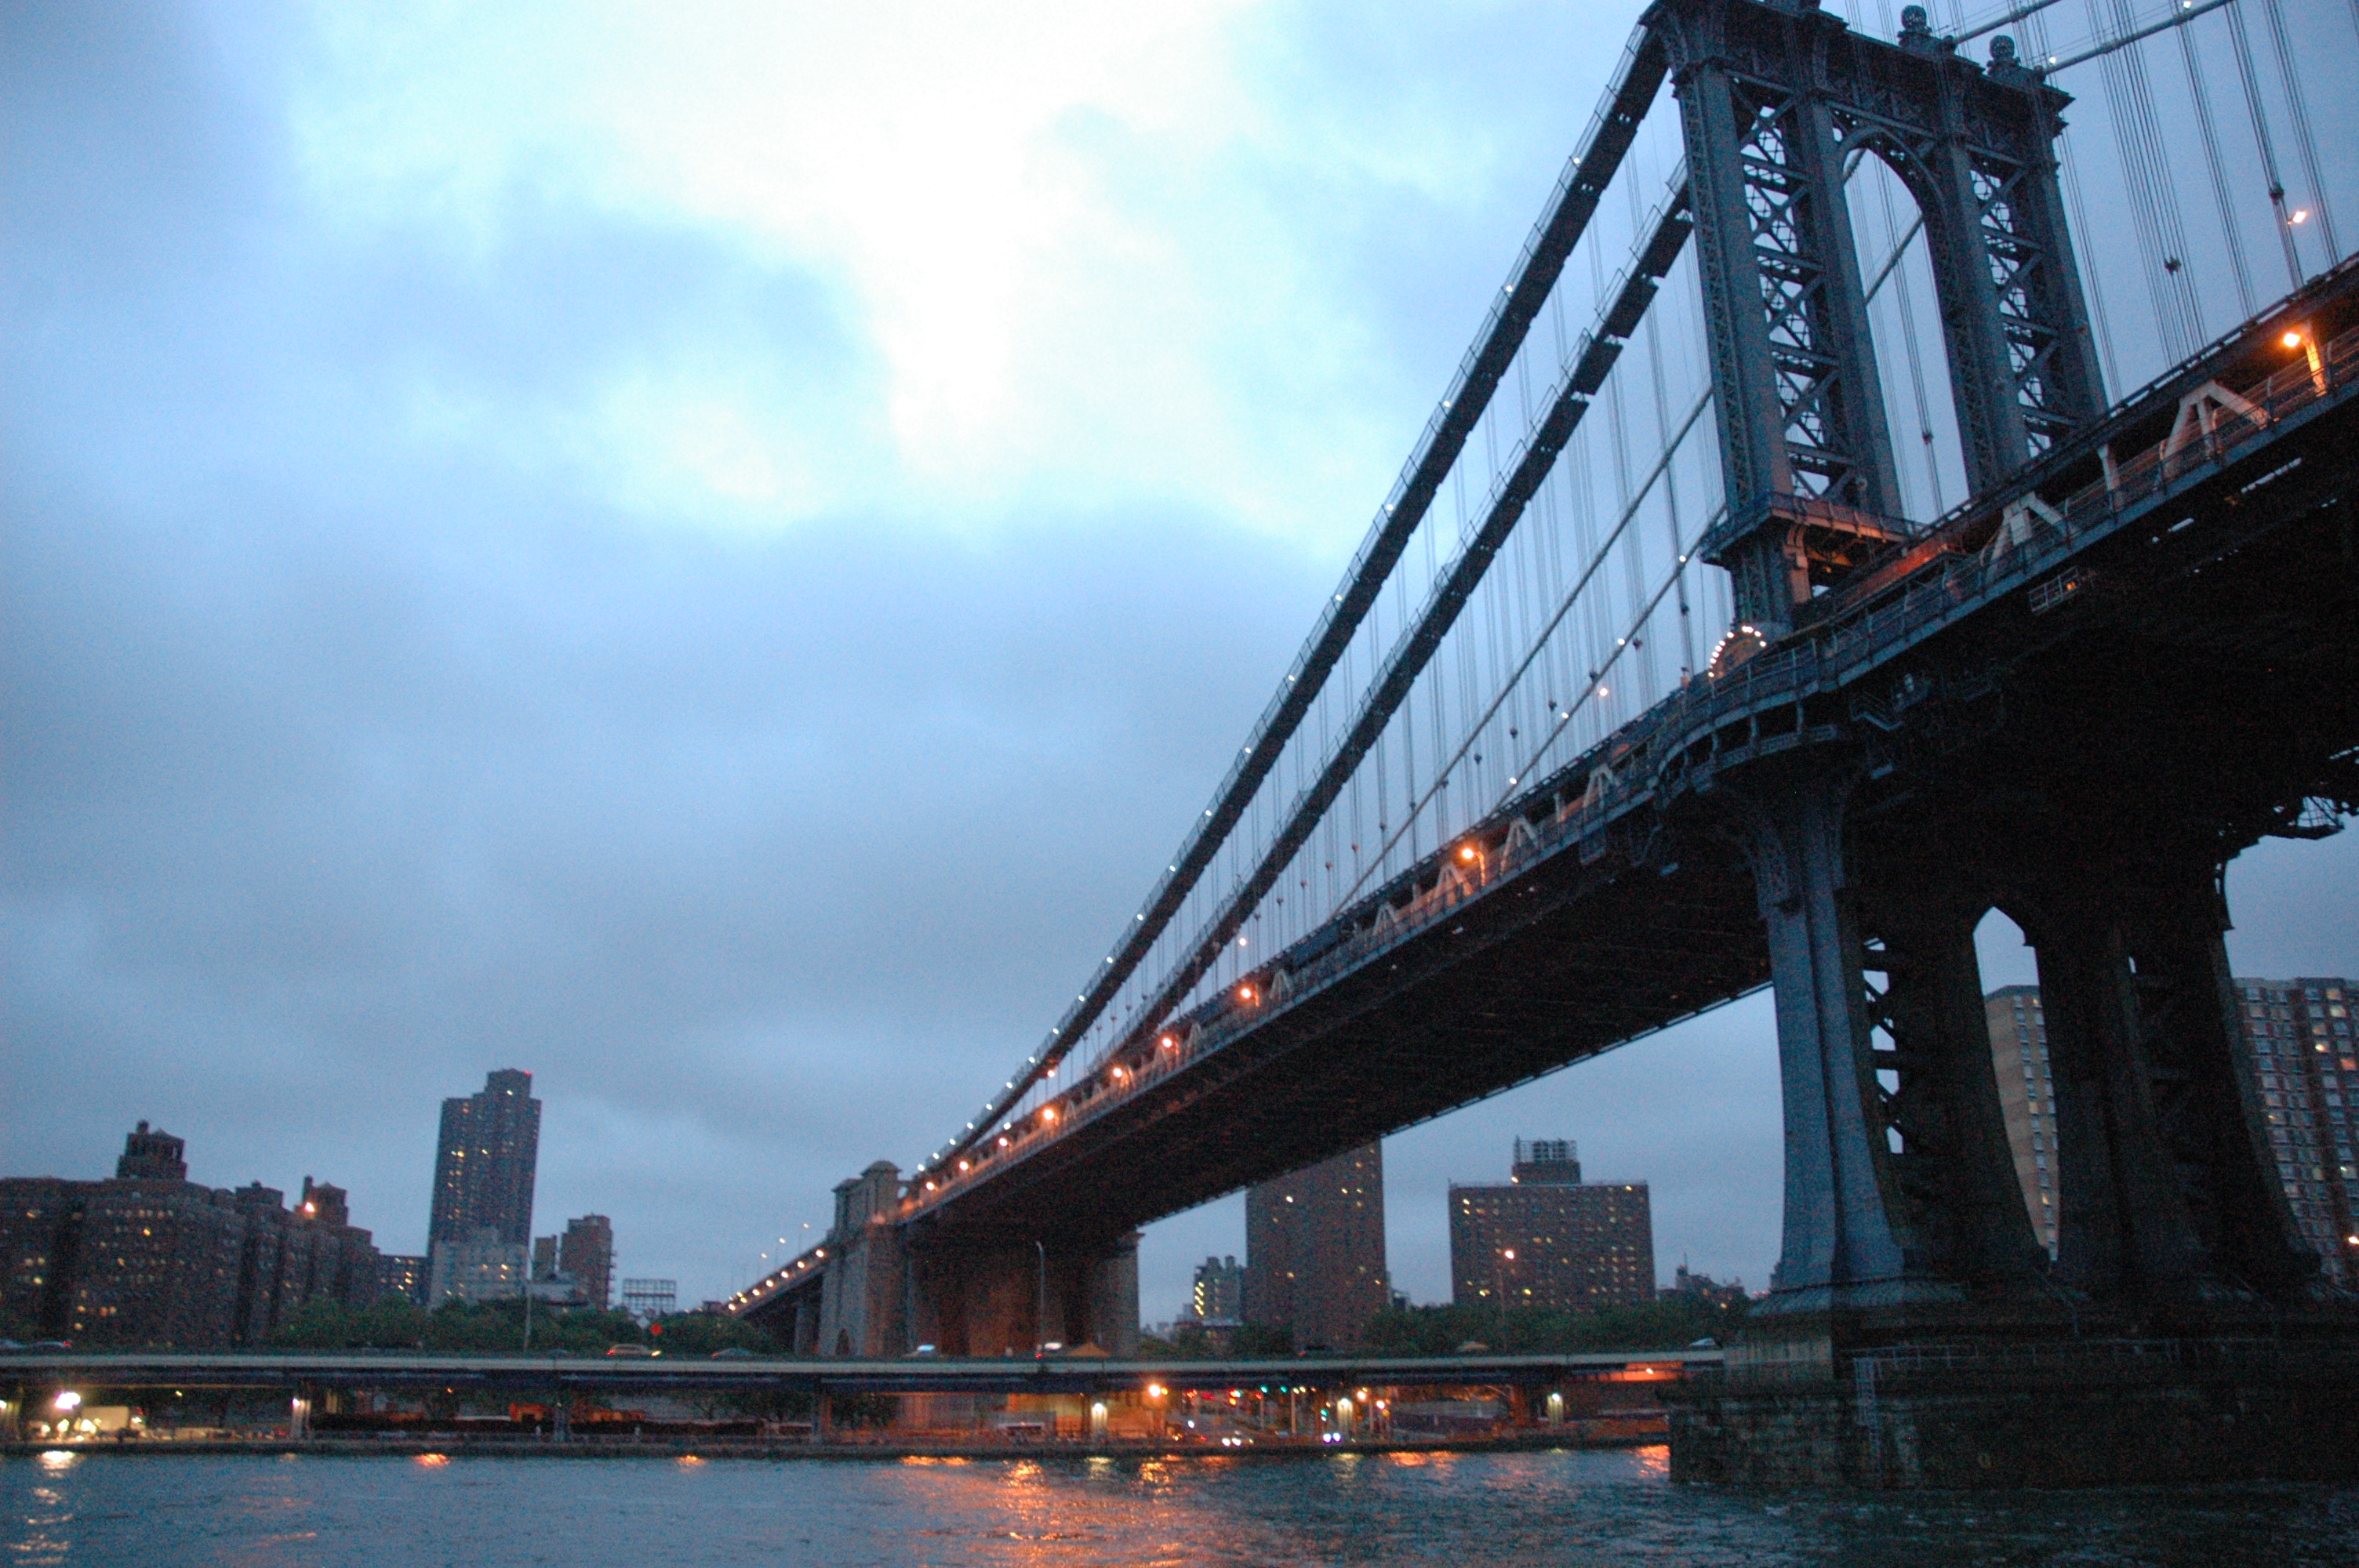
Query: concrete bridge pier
864 1294
1012 1300
886 1287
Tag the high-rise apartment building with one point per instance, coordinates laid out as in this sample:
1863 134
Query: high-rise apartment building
150 1257
586 1256
1549 1240
2306 1072
1217 1299
1315 1249
2027 1096
484 1161
2303 1061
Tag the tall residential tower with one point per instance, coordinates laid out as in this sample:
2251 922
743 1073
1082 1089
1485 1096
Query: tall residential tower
1315 1249
480 1228
483 1162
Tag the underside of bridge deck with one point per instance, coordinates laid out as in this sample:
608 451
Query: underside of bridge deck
1557 967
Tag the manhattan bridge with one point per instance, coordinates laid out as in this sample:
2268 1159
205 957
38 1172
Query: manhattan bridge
1888 488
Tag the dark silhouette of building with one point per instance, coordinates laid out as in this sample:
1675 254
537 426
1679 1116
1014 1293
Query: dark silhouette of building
1217 1297
39 1228
1549 1240
586 1256
152 1157
152 1258
484 1161
1315 1249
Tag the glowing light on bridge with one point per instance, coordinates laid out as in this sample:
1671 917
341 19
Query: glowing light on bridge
1244 993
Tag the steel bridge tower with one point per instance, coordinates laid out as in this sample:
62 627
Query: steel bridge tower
1900 1191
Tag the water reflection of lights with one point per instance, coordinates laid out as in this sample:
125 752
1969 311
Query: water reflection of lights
433 1461
690 1459
59 1459
1654 1461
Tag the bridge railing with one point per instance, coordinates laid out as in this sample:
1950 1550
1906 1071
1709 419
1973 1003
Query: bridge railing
2031 537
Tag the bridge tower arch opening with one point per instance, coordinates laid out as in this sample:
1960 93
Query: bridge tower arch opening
1778 101
1919 379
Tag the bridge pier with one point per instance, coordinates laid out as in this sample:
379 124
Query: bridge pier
2167 1200
1901 1190
1916 1333
1012 1300
863 1309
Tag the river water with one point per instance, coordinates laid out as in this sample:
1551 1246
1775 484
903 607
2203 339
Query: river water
1424 1509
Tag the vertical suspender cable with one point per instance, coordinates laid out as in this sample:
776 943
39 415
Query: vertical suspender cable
2305 143
2251 77
2202 96
2036 30
2130 92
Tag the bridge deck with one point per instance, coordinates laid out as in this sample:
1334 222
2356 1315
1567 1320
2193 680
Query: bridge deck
1590 913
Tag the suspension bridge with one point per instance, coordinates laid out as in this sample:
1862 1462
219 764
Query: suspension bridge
1622 711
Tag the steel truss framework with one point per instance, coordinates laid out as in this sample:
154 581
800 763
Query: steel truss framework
1778 102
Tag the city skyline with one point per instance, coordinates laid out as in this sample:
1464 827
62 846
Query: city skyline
468 600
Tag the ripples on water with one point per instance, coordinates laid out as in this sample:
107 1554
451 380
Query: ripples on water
1458 1509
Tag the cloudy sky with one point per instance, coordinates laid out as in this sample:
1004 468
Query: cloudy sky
708 553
